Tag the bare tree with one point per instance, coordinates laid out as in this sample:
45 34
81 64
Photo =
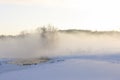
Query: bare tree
47 35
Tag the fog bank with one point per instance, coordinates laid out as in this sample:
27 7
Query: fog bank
59 43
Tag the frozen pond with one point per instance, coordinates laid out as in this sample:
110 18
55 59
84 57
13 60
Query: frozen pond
69 68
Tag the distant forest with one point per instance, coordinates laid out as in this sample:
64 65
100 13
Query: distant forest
51 29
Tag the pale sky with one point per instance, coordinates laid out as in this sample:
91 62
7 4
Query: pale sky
18 15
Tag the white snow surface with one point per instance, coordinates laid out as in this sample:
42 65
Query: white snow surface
67 69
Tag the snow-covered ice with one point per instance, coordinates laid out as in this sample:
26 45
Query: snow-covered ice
67 68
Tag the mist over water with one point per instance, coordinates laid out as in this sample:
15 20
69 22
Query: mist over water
60 43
